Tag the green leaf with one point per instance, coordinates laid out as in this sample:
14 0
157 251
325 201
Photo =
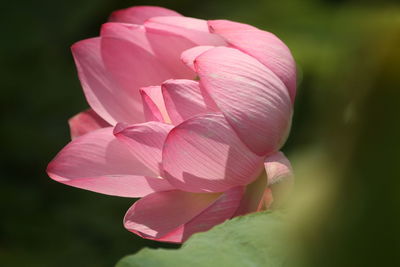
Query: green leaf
257 239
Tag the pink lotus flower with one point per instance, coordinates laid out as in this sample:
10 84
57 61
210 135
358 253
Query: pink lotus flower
185 113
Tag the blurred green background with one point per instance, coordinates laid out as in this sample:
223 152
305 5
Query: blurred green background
344 143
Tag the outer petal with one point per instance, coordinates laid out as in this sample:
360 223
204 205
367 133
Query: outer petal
135 34
103 95
280 177
203 154
183 100
262 45
98 162
168 48
136 58
139 14
153 104
188 57
145 142
129 58
175 215
252 98
85 122
194 30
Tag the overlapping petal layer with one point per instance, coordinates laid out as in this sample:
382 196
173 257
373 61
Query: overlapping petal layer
106 98
188 57
145 142
253 99
132 62
204 154
154 105
175 215
183 100
97 161
262 45
188 114
194 30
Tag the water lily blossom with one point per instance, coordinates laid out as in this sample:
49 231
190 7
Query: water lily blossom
186 114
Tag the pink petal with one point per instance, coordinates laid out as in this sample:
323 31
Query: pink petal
174 216
262 45
168 48
129 58
158 214
183 100
194 30
165 47
150 109
85 122
221 210
280 177
252 98
98 162
103 95
188 57
135 34
145 142
137 59
139 14
203 154
153 103
278 168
